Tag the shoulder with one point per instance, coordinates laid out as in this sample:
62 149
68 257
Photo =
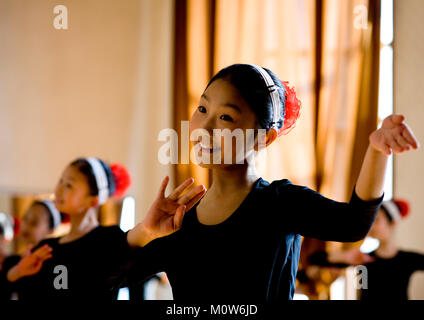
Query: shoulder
11 261
48 241
410 255
286 187
109 233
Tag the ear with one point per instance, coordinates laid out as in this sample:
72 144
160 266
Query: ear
270 137
94 202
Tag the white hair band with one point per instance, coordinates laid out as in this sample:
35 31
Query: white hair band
55 214
273 91
101 179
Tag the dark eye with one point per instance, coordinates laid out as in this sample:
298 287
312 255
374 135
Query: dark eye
69 186
226 117
201 109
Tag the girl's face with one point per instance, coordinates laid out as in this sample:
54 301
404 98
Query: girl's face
382 228
35 224
72 193
221 107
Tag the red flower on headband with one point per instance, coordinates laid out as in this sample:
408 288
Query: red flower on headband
65 218
16 225
122 179
293 106
403 207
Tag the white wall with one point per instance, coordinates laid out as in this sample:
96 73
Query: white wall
101 88
409 100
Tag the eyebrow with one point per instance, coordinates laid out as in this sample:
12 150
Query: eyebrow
230 105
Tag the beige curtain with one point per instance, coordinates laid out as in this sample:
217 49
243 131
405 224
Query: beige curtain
215 34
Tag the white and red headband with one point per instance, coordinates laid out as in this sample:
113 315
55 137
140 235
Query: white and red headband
101 179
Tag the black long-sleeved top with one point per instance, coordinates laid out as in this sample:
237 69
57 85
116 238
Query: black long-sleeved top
89 262
387 278
254 254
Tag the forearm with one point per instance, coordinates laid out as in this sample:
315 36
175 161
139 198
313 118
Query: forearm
370 182
13 274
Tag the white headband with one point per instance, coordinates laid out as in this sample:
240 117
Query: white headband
393 210
7 224
273 91
53 212
101 179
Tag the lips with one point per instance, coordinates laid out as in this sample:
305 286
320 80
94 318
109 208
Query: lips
206 148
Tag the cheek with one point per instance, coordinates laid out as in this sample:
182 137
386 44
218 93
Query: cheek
194 122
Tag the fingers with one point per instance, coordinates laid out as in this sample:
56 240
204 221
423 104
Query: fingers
402 143
195 199
367 258
191 194
180 189
43 252
397 118
394 145
178 217
162 188
409 136
28 250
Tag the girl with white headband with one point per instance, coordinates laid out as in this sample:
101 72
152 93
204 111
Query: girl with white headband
79 264
388 268
242 240
38 223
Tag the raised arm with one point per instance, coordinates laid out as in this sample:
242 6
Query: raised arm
394 135
313 215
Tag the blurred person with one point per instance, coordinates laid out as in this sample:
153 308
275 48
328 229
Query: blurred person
388 267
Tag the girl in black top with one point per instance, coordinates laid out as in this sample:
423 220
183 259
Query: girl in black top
78 265
388 268
242 241
38 223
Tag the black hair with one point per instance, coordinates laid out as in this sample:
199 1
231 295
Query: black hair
252 87
386 213
51 221
1 230
85 168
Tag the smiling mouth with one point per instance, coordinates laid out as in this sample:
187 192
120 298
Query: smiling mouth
206 149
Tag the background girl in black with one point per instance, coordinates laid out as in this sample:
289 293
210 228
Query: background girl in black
242 241
388 268
89 252
38 223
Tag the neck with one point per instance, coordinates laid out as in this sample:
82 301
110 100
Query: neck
83 223
233 178
387 248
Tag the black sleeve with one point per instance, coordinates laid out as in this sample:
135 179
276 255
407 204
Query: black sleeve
144 262
416 261
6 287
310 214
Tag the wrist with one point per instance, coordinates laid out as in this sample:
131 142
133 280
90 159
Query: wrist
140 235
13 274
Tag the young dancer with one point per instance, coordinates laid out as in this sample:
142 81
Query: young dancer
242 240
38 223
388 268
78 265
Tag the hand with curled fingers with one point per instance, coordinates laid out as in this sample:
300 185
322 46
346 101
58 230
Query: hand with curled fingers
394 135
165 216
30 264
